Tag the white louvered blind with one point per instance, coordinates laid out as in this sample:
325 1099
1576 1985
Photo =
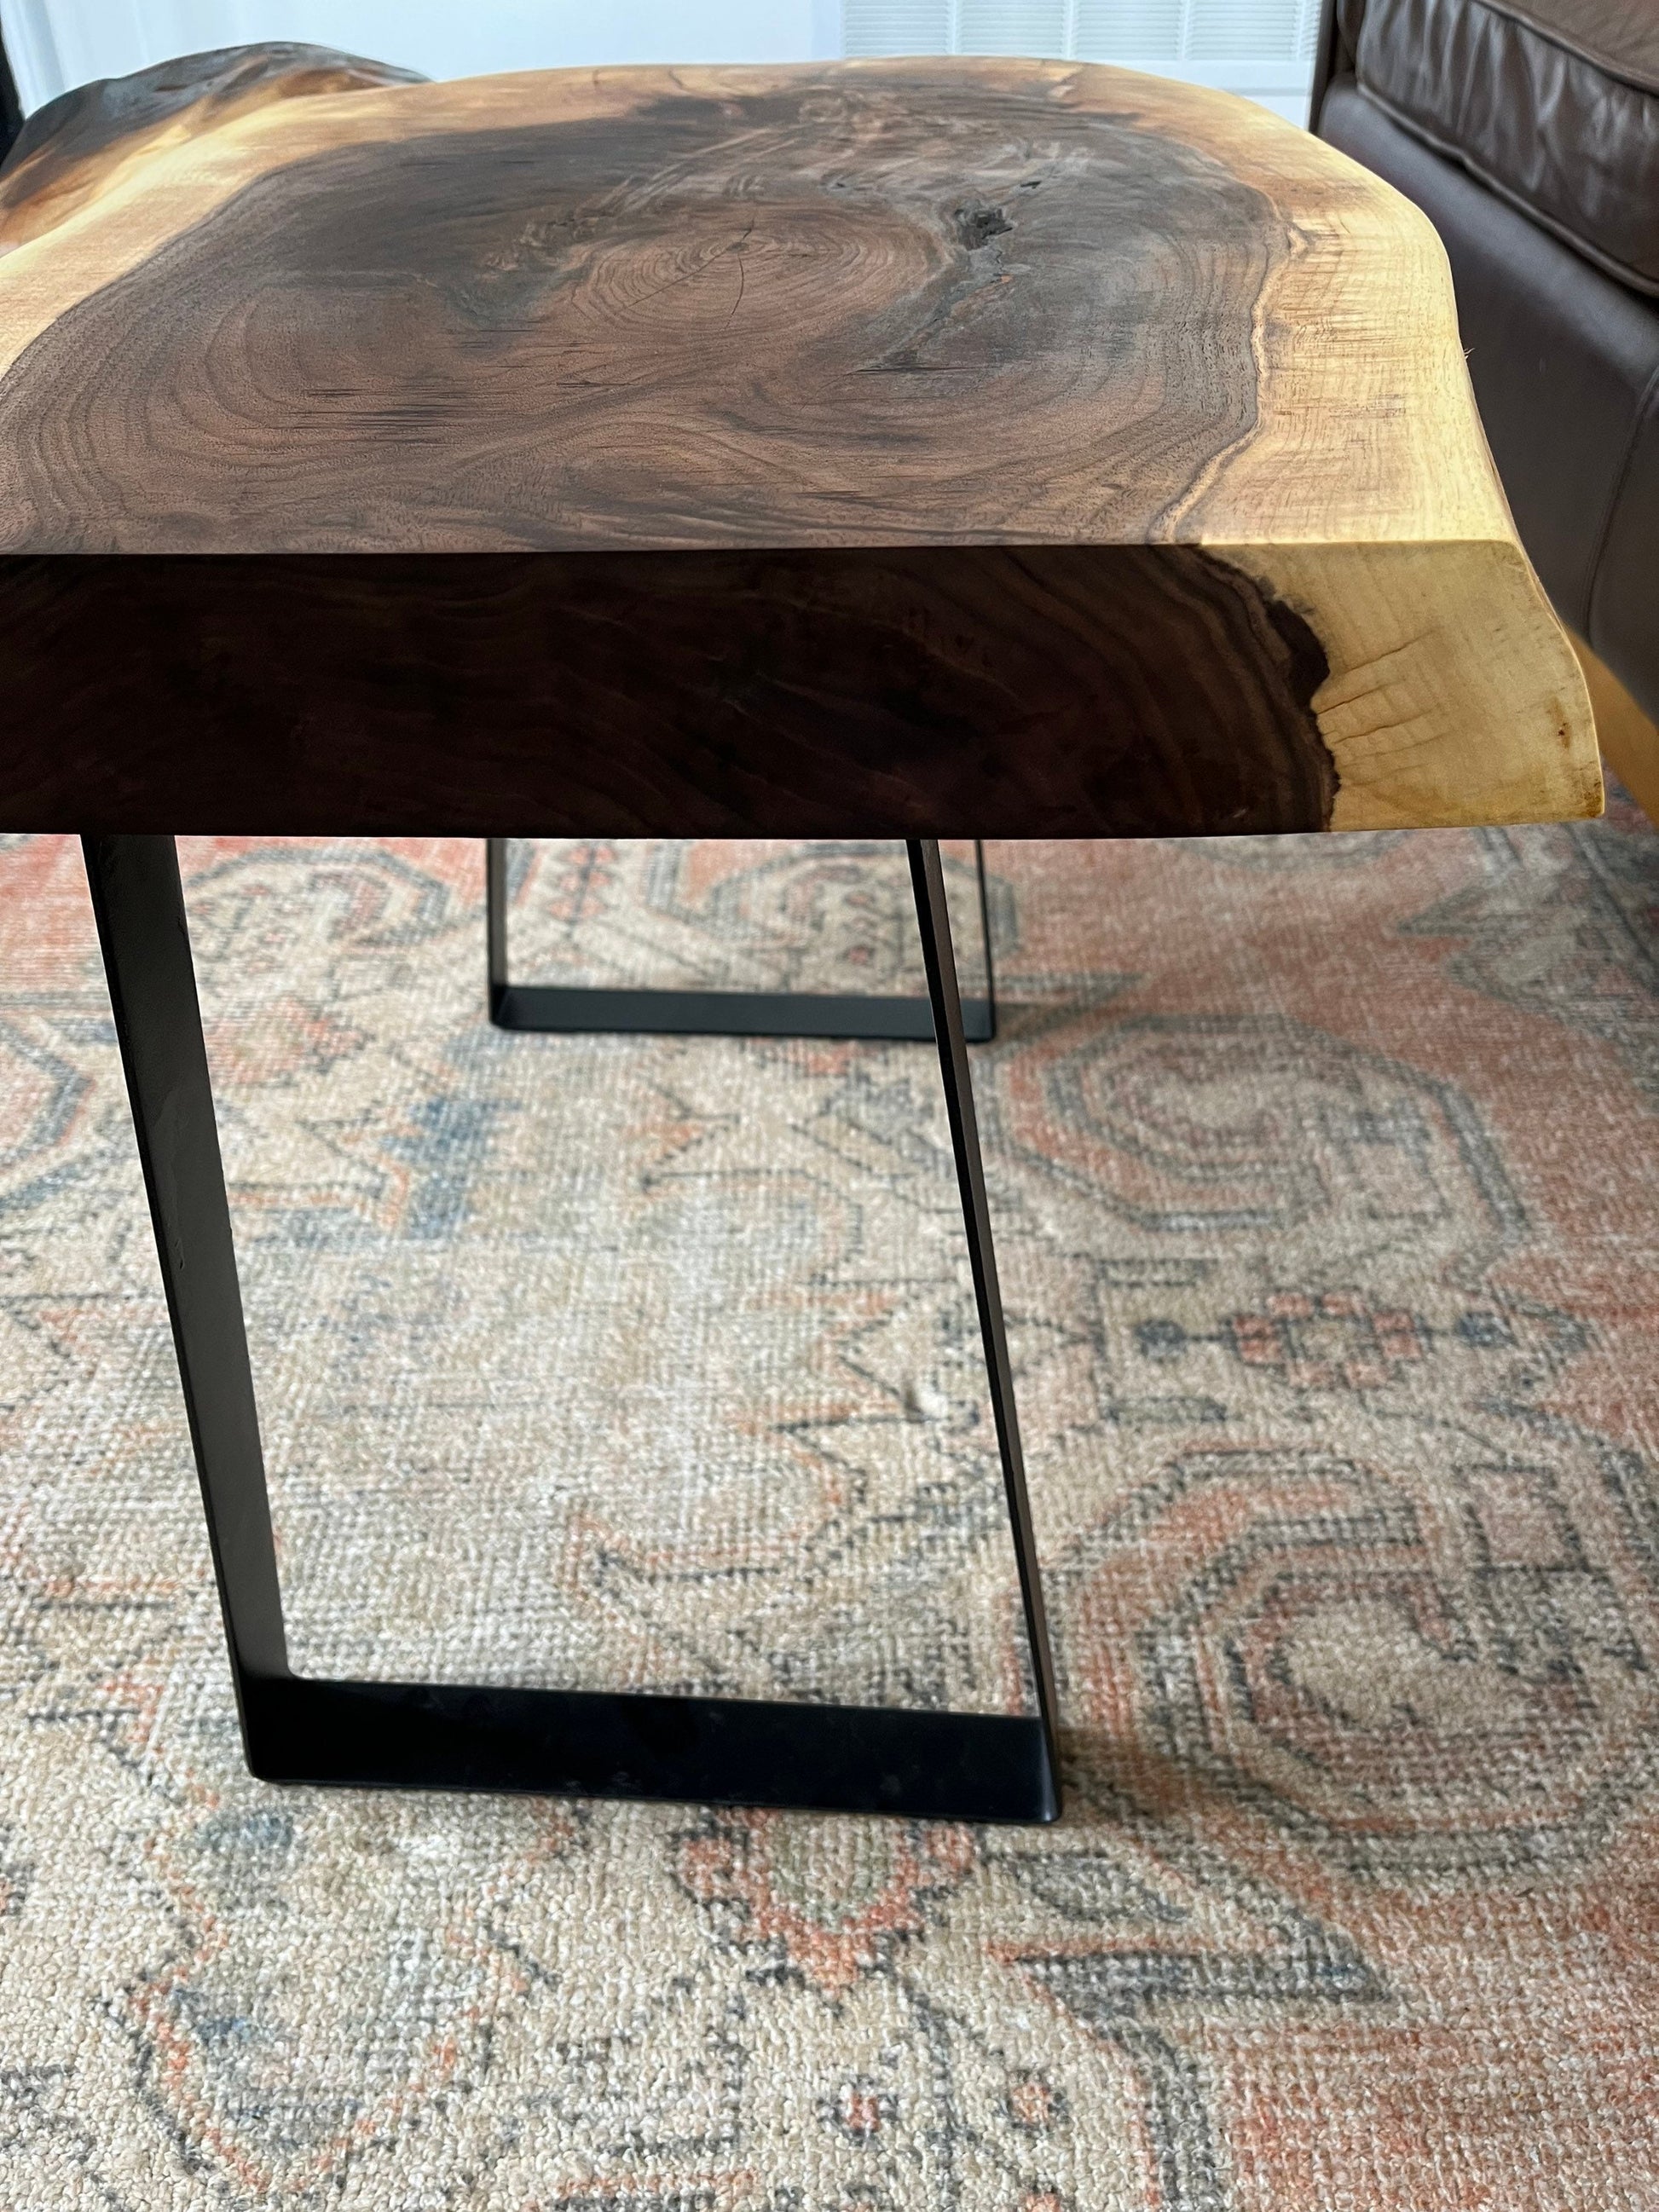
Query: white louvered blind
1260 47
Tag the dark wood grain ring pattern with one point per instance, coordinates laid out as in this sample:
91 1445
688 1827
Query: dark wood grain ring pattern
799 317
1052 691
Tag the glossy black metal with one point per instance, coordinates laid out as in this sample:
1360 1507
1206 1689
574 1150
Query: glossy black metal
425 1736
593 1743
140 910
575 1008
933 916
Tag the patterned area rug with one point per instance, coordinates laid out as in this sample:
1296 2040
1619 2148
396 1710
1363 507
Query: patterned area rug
1327 1194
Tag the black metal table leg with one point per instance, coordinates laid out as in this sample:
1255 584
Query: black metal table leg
980 1767
579 1007
938 957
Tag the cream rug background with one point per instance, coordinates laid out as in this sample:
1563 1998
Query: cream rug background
1324 1180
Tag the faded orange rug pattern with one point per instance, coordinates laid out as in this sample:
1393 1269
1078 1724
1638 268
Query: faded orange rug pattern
1327 1195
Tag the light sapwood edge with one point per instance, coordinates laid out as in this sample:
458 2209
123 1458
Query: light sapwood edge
1629 737
1454 698
51 170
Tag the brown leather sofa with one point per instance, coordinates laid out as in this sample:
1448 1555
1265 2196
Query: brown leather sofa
1528 131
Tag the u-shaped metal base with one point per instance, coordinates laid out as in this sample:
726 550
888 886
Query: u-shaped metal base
976 1766
576 1007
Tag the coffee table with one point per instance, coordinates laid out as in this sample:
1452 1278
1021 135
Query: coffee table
894 450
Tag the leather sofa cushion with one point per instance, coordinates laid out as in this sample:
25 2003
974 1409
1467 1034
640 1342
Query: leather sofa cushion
1565 367
1553 103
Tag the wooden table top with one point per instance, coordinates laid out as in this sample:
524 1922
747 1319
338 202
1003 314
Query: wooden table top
946 447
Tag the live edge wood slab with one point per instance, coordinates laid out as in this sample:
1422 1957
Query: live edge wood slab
875 449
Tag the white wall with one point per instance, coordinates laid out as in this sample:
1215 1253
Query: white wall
1262 47
54 44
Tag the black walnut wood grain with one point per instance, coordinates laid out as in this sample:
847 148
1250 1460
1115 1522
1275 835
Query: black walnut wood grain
1048 689
845 450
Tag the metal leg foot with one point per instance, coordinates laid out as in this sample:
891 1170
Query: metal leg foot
436 1736
570 1008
